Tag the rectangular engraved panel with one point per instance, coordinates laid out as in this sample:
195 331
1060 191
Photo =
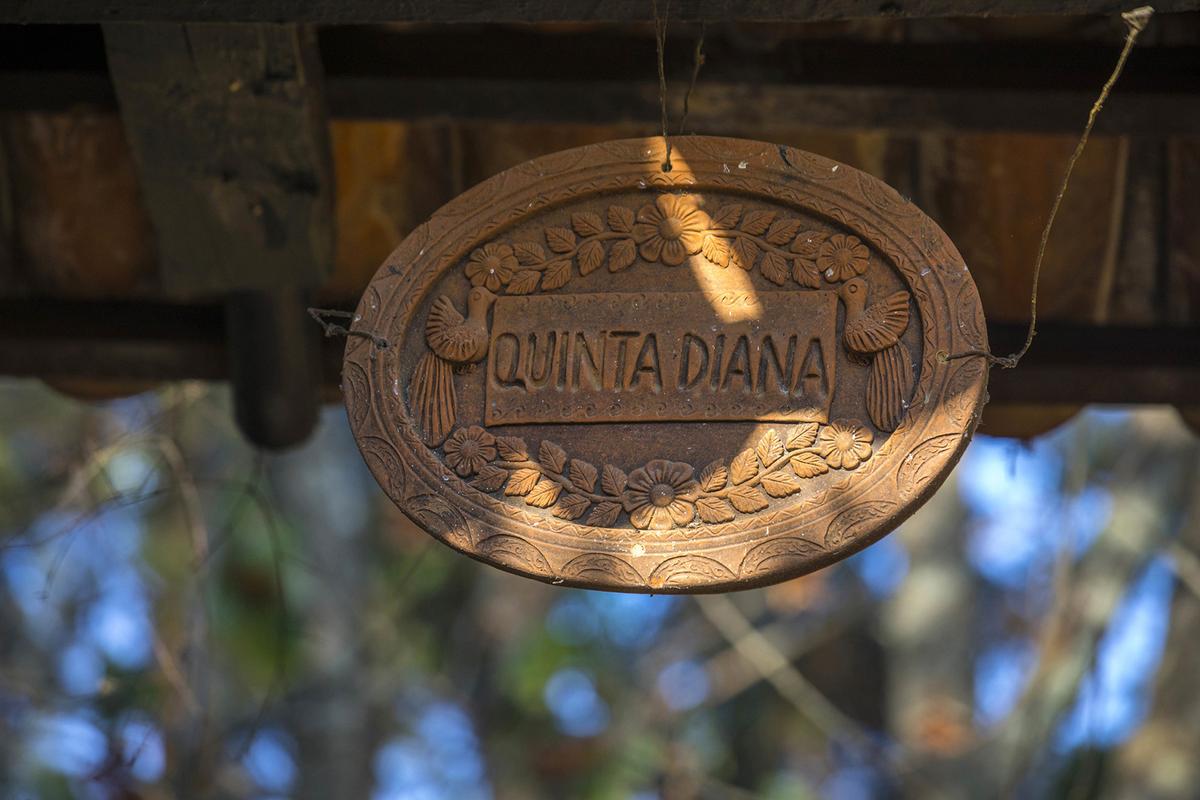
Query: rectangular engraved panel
662 356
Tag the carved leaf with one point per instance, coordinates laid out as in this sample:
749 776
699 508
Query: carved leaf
522 481
561 240
757 222
775 268
553 457
529 253
621 255
807 244
714 477
782 231
524 281
604 515
808 465
747 499
614 480
743 467
586 223
769 448
802 436
543 494
571 507
512 448
781 484
583 475
727 217
620 219
745 252
713 510
490 478
805 273
716 250
591 255
557 274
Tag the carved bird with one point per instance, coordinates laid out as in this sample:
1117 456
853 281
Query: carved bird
454 342
873 333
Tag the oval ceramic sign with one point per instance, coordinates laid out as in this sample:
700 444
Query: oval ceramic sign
590 371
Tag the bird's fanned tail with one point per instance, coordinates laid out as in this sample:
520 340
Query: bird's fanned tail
889 386
432 397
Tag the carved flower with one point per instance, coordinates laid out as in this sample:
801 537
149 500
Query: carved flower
845 445
491 266
671 229
468 449
841 257
659 496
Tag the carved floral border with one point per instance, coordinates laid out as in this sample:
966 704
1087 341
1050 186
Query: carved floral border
661 494
667 231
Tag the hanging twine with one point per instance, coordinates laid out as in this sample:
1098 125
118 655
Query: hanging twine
697 63
1135 22
333 329
660 40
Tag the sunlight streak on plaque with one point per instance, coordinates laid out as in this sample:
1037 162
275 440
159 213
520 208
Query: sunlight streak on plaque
714 283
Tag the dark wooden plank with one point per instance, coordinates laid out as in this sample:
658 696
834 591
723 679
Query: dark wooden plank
228 128
743 110
493 73
359 11
1182 245
717 109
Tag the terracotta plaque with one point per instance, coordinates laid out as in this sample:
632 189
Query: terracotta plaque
593 372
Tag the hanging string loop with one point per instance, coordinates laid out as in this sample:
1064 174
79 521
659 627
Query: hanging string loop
1135 22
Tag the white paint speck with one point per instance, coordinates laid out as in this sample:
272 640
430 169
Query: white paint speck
743 164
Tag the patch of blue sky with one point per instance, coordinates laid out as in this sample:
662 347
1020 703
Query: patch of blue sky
851 783
577 707
633 621
1018 518
269 760
573 619
404 770
1114 696
403 773
450 740
70 743
80 669
1001 673
683 685
132 471
882 566
996 475
142 748
118 623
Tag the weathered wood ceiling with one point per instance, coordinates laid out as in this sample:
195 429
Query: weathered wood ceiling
168 203
460 11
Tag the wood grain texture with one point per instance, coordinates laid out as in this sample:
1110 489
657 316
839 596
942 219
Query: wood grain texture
359 11
227 126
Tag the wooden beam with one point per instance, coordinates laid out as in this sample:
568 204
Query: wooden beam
460 11
228 129
1068 364
741 110
555 76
